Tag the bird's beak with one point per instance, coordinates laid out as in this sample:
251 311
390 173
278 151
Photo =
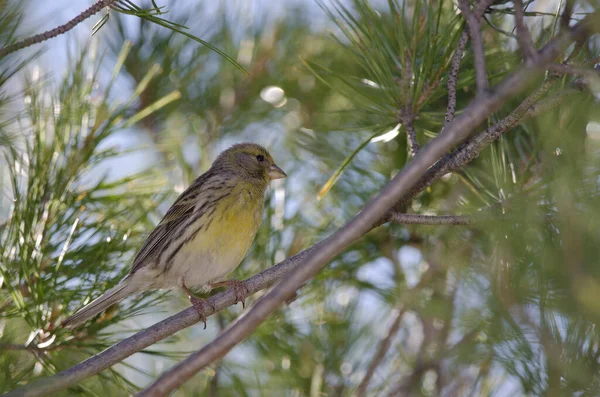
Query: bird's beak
276 173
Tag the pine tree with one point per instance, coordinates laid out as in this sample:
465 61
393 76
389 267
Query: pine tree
481 280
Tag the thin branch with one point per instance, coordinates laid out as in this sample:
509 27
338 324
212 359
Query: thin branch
382 349
399 186
411 134
453 78
471 149
475 113
477 45
38 38
574 70
213 389
16 347
385 343
417 219
526 46
565 17
455 65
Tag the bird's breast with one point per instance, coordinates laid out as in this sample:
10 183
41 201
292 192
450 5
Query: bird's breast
216 250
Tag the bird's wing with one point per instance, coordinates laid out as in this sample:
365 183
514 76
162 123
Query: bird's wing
178 213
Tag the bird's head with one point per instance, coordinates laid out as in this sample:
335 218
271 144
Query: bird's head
249 160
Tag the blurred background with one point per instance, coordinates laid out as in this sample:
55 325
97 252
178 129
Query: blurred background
100 133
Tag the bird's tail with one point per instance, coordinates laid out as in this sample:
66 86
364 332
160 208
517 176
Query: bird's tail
98 305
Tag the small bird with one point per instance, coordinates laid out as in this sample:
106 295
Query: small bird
205 234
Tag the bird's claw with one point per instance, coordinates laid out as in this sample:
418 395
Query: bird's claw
200 306
239 289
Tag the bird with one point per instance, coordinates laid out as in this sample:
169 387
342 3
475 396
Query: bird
203 236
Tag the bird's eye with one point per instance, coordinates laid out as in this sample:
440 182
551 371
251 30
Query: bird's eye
260 158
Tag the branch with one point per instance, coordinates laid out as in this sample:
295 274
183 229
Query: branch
477 45
526 46
457 220
157 332
411 134
382 349
565 17
453 78
417 219
574 70
384 345
471 149
38 38
399 186
15 347
455 65
188 317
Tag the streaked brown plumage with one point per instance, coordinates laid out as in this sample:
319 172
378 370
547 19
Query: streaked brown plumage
205 234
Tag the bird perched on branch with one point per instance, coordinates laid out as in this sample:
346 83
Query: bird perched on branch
205 234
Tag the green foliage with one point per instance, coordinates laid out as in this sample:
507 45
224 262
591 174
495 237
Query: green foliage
69 228
506 304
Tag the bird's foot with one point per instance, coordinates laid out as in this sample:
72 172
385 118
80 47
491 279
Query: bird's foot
201 306
238 287
198 303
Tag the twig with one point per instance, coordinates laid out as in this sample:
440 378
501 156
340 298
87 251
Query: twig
455 66
471 149
399 186
544 106
453 78
477 45
411 134
526 46
213 389
38 38
385 343
578 71
473 115
417 219
15 347
565 18
457 220
382 349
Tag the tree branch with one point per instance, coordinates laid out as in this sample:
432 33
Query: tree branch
455 66
418 219
574 70
385 343
411 135
473 115
400 185
526 46
477 45
471 149
565 17
453 78
38 38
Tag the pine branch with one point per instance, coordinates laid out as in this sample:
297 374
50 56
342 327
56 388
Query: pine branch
470 150
453 78
526 46
417 219
401 188
386 342
477 43
455 66
475 113
38 38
